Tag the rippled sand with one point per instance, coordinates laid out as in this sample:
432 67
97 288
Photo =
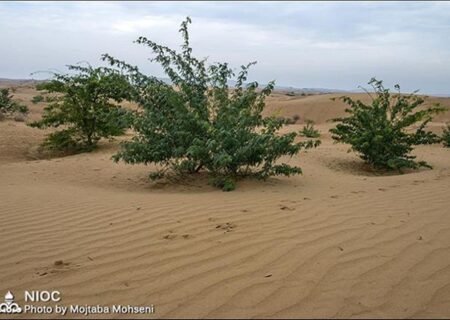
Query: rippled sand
338 241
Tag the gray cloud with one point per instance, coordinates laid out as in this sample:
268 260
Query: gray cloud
305 44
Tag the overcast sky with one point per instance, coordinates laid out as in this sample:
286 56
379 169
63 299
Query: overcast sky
337 45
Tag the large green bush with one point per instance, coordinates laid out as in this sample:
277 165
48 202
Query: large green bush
198 123
382 132
8 106
85 105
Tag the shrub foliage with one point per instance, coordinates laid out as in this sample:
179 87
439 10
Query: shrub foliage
9 107
446 136
37 99
309 131
382 132
85 105
196 122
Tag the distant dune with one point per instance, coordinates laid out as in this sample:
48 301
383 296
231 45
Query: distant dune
338 241
320 108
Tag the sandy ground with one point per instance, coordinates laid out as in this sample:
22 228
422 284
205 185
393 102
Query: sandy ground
338 241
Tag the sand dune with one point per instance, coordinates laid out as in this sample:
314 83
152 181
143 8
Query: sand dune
320 108
338 241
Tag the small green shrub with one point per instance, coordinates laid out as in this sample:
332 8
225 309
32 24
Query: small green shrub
37 99
381 131
6 100
62 140
224 183
309 131
197 123
9 107
86 105
446 136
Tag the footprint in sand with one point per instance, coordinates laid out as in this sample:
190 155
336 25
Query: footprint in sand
57 267
60 263
229 226
283 207
170 236
291 201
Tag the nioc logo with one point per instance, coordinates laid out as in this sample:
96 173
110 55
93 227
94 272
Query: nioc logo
9 306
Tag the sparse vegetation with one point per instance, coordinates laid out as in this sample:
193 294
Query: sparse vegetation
9 107
37 99
85 104
309 131
197 124
381 133
286 120
446 136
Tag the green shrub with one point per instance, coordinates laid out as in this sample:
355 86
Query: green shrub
6 101
9 107
195 123
37 99
309 131
379 133
446 136
86 106
224 183
62 140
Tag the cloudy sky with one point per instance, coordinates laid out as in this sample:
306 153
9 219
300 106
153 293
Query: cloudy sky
337 45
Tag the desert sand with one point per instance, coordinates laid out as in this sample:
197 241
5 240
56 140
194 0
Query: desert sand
338 241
